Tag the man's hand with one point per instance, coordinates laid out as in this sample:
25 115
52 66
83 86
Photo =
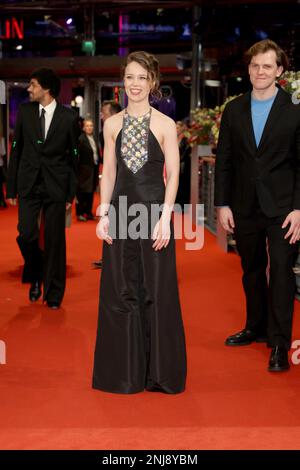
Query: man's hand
226 218
68 205
12 202
293 218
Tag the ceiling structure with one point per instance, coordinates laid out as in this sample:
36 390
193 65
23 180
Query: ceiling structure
225 29
21 5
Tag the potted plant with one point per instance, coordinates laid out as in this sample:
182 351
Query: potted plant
204 128
199 131
290 82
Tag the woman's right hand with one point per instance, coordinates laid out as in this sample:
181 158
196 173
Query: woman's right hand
12 201
102 230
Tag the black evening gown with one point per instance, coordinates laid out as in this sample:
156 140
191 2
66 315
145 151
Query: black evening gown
140 339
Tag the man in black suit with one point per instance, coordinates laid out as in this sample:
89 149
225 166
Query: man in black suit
257 190
42 172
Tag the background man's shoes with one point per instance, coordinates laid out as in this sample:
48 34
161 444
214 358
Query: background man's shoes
244 337
97 264
90 217
81 218
35 291
54 305
279 360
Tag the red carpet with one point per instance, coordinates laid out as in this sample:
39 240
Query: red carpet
46 399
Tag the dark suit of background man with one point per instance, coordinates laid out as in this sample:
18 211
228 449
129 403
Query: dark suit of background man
108 108
88 172
258 194
41 172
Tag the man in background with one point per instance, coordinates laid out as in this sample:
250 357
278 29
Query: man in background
88 171
42 173
2 170
108 108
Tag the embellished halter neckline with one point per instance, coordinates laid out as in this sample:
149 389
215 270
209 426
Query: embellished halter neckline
143 116
134 145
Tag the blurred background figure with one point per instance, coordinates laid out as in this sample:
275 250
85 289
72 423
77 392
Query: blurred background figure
88 170
108 108
2 170
184 188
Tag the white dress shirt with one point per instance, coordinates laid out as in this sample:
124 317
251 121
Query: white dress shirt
49 111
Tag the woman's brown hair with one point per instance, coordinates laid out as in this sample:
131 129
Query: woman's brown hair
150 63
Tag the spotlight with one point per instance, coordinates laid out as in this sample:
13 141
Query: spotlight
78 99
212 83
69 21
19 47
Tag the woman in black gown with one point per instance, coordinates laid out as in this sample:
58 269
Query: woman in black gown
140 339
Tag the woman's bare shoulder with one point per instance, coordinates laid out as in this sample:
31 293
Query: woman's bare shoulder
162 119
113 124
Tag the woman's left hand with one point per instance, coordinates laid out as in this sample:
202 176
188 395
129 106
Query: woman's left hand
161 234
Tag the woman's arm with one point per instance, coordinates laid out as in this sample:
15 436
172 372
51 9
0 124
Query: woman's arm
172 161
162 232
109 170
108 180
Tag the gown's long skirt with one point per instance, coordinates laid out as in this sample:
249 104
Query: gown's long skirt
140 339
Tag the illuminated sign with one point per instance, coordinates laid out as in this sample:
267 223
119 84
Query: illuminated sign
146 28
11 29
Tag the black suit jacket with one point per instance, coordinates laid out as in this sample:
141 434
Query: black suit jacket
101 144
87 169
269 173
55 158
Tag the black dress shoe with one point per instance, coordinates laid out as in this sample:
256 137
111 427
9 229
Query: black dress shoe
244 337
53 305
97 264
35 291
279 360
90 217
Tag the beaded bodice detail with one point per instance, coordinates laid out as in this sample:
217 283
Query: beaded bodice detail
134 144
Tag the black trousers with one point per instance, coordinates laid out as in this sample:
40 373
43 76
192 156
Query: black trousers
51 265
270 302
85 203
2 179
